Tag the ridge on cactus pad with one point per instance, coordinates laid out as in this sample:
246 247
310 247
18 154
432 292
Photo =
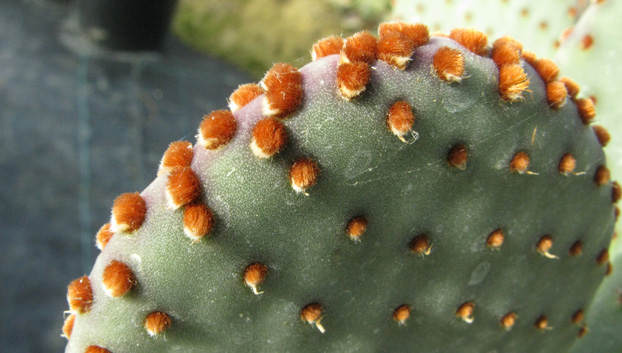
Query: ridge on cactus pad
400 193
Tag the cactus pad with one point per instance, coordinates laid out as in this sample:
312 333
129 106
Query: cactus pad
407 194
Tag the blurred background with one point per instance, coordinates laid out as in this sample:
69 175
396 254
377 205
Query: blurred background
91 94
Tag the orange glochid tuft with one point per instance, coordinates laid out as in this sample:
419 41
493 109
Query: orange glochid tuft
556 94
529 57
458 156
118 279
506 50
182 188
178 155
303 174
513 82
356 228
417 32
616 192
400 119
572 87
198 221
128 212
567 164
602 176
352 79
243 95
576 249
609 269
217 129
542 323
577 317
582 331
104 234
420 245
519 163
283 85
156 323
395 49
360 47
586 42
495 239
269 137
465 312
544 245
603 257
68 325
96 349
254 275
80 295
312 314
327 46
472 39
402 313
448 64
547 69
586 109
508 320
602 135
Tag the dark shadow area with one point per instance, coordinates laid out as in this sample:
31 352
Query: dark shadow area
78 126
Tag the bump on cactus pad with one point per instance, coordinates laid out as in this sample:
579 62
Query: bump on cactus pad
400 193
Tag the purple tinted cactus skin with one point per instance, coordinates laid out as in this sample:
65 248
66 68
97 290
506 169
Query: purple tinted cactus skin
429 217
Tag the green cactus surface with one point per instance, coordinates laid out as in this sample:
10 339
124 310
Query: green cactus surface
398 194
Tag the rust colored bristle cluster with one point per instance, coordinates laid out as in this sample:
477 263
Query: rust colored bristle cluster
582 331
420 245
576 249
402 313
546 69
474 40
586 110
283 86
303 174
128 212
198 221
269 137
352 79
217 129
400 119
577 317
458 156
586 42
68 325
519 163
602 176
418 33
254 275
556 94
178 155
104 234
572 87
328 46
96 349
508 320
603 257
616 192
495 239
448 64
542 323
396 49
513 82
182 188
356 228
360 47
80 295
544 245
243 95
312 314
465 312
156 323
567 164
118 279
602 135
506 50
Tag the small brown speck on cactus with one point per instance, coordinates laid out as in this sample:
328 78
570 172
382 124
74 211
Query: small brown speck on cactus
495 239
544 246
96 349
103 236
118 279
602 134
269 138
182 188
352 79
128 213
356 228
283 85
578 316
303 174
421 245
567 164
328 46
198 221
68 325
360 47
254 275
542 323
465 312
448 64
458 156
243 95
519 163
576 249
217 129
156 323
472 39
80 295
178 156
313 314
508 320
402 313
400 119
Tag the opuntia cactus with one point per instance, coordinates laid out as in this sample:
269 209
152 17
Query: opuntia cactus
405 192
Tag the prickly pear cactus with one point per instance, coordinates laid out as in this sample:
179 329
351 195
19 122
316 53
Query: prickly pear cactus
403 193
